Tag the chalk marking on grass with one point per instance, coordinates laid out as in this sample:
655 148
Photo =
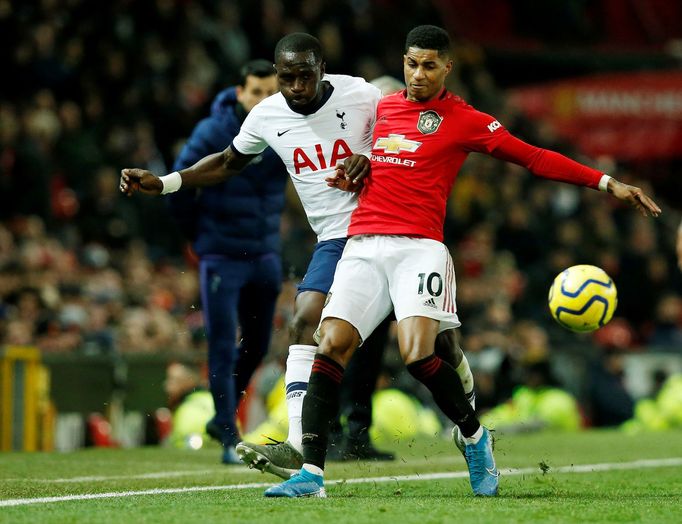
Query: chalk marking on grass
580 468
141 476
186 473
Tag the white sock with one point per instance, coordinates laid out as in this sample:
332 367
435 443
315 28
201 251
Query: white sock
311 468
465 375
473 439
296 378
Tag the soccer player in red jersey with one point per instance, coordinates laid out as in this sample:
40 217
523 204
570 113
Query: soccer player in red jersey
395 258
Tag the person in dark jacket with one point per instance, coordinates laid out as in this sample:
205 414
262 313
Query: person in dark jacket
234 230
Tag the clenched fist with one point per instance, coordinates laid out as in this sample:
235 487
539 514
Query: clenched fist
141 181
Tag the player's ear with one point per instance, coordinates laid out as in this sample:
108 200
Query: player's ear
239 90
323 67
448 67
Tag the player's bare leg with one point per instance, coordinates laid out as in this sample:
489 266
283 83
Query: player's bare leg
416 338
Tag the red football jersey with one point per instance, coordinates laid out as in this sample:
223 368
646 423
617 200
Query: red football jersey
418 149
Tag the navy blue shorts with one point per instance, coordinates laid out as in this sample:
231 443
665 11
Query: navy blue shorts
320 273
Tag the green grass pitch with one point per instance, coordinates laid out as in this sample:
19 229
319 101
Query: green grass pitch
593 476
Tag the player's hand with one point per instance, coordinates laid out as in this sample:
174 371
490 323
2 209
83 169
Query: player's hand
635 197
141 181
350 174
356 168
339 181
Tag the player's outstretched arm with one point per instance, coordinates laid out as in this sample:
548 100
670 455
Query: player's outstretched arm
554 166
633 196
208 171
349 175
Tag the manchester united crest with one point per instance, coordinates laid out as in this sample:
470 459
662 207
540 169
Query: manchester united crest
429 121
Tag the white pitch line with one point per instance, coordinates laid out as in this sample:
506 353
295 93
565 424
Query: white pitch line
119 494
157 475
581 468
141 476
186 473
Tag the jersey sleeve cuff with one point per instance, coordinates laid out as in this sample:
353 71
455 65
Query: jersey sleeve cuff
237 151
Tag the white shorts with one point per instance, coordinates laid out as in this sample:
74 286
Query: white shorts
377 274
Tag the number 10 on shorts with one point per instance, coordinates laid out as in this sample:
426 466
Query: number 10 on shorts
434 284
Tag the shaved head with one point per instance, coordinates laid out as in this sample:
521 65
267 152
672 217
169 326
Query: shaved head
297 43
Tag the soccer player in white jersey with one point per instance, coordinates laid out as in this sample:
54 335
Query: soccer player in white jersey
314 123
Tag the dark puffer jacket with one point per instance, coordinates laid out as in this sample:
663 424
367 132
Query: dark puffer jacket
239 217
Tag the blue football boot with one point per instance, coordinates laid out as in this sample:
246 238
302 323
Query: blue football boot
483 474
302 484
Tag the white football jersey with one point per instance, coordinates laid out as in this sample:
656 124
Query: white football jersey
312 145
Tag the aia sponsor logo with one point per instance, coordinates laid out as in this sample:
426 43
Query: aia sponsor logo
317 160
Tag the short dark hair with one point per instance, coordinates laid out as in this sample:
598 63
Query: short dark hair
429 37
299 43
260 68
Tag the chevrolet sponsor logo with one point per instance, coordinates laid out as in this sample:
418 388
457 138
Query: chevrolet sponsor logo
393 160
396 143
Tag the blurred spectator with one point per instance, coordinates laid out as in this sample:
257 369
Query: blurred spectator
608 402
536 404
667 332
104 217
77 150
662 411
190 404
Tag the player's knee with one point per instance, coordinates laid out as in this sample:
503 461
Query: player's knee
296 327
414 353
301 329
306 317
338 340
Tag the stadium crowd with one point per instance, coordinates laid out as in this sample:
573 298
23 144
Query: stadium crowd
98 86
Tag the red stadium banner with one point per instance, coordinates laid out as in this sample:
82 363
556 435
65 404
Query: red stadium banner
630 116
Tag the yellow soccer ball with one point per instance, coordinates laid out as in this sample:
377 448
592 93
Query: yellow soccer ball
583 298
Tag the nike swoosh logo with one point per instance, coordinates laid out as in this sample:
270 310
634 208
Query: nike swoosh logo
280 133
493 472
